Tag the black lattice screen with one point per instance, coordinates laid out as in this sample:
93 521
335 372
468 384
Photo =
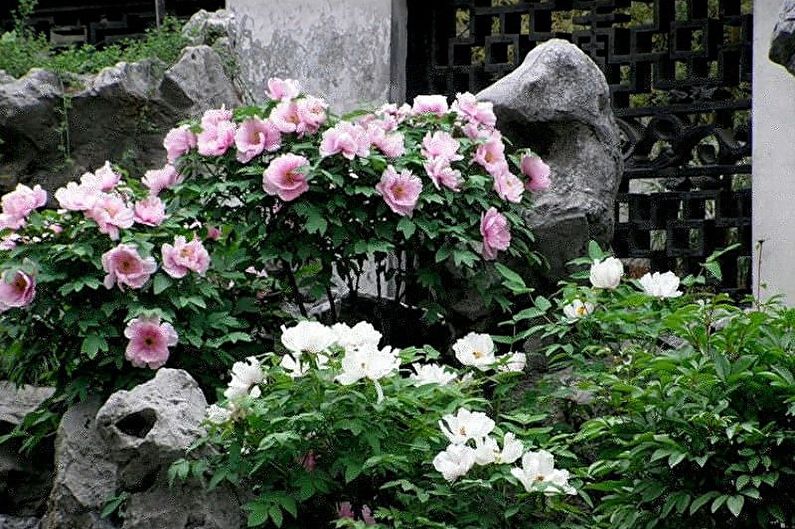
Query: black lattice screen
679 73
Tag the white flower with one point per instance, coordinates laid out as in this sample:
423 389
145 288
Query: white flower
307 337
218 414
368 362
538 472
296 368
246 377
661 285
466 425
360 334
514 363
454 462
487 450
577 309
431 374
475 350
607 273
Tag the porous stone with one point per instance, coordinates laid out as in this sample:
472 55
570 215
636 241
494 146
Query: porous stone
207 27
14 522
782 44
557 102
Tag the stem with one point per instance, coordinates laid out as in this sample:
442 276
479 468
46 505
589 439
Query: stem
294 286
332 307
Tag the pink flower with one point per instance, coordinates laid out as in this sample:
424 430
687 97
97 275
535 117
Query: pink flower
309 461
110 213
441 144
537 173
346 138
18 292
495 232
478 113
18 204
213 233
183 257
392 113
367 515
218 132
283 89
311 115
392 145
56 228
508 186
285 177
430 104
149 341
285 117
108 178
9 242
179 141
124 266
159 179
82 196
400 191
442 174
491 154
150 211
345 510
474 132
254 136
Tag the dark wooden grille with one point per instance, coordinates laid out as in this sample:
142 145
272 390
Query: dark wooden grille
679 73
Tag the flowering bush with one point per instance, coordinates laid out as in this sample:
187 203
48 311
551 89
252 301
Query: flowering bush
337 427
309 195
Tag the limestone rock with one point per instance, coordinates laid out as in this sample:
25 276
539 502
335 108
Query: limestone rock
558 103
16 402
12 522
207 27
782 45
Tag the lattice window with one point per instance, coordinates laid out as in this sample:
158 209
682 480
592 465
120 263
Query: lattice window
679 73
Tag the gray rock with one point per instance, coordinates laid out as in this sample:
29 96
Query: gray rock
16 402
53 131
782 44
207 27
558 103
12 522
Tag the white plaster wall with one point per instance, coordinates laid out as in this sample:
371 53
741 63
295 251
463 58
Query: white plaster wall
773 161
339 49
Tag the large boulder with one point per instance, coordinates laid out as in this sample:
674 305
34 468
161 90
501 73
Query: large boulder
558 103
782 45
125 447
53 129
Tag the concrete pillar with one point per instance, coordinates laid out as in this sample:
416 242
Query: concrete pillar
351 52
773 163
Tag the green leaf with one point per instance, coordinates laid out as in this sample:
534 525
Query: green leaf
735 504
713 267
92 344
160 283
407 227
594 251
701 501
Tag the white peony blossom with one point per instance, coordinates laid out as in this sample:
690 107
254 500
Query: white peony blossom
487 450
431 374
454 462
607 273
475 350
368 362
661 285
538 473
246 377
307 337
514 363
577 309
466 425
296 367
362 333
218 414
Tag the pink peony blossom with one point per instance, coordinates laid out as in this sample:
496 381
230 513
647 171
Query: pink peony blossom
345 510
475 132
149 341
311 115
16 290
441 144
56 228
124 266
286 177
430 104
283 89
537 173
19 203
255 135
110 213
179 141
495 232
442 174
508 186
214 116
491 154
400 191
309 461
9 242
285 117
159 179
367 515
82 196
150 211
218 132
473 111
183 257
213 233
345 138
108 178
392 145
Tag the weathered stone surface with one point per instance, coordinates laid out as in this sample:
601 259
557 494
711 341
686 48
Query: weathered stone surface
16 402
121 113
782 45
12 522
558 103
207 27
